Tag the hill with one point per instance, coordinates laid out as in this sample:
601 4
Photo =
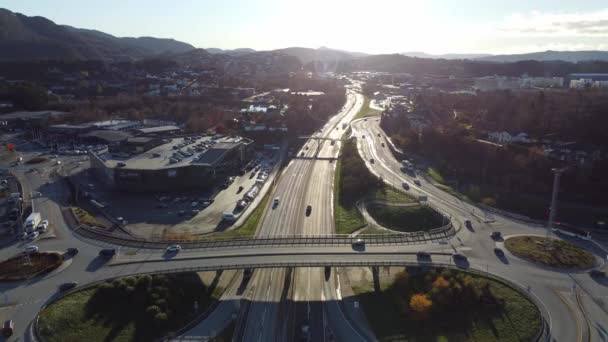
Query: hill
24 38
567 56
234 52
446 56
322 54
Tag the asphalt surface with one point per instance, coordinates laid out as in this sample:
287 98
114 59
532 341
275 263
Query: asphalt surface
286 300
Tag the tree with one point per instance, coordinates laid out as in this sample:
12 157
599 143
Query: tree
440 282
421 304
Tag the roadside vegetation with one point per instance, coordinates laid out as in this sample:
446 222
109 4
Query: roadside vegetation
448 305
366 111
352 182
84 217
134 308
559 254
28 266
406 219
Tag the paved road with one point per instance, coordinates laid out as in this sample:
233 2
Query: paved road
476 243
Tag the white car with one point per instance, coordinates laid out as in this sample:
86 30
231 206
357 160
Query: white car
31 249
173 249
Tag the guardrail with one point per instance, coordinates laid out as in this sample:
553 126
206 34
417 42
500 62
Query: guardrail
442 233
542 335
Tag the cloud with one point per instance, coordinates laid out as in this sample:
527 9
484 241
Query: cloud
559 25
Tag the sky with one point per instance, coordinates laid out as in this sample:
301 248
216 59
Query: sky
379 26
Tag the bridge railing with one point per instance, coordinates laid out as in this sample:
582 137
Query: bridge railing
442 233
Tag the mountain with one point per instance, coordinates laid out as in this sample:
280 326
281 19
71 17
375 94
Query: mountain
568 56
234 52
37 38
418 54
322 54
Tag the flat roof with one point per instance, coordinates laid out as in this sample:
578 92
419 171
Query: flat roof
158 129
160 156
108 136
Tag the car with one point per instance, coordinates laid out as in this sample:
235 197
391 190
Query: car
7 328
31 249
499 252
43 225
68 286
195 212
238 191
181 213
275 203
459 257
173 249
371 160
405 186
378 134
194 204
597 274
72 251
32 235
358 244
107 252
423 255
417 182
496 235
468 224
308 210
382 144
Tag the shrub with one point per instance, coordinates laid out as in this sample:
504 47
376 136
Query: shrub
440 282
152 311
421 304
489 201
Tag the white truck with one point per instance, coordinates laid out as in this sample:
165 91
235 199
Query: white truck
31 222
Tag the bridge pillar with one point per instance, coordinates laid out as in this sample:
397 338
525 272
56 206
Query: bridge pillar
376 275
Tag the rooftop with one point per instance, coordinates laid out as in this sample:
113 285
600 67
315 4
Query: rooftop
29 115
160 129
199 150
108 136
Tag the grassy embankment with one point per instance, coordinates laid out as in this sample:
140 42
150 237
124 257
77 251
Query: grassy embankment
366 111
560 254
136 308
406 219
447 305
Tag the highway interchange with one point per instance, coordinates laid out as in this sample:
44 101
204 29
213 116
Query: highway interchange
279 300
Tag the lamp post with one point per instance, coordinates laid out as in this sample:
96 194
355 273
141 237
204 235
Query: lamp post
557 172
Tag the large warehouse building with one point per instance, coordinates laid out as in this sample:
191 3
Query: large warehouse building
170 164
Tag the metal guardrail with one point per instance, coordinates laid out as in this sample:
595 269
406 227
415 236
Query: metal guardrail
442 233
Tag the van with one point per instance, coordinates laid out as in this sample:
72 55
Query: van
228 216
8 328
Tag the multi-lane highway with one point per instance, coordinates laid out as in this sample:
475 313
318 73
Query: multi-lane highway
475 242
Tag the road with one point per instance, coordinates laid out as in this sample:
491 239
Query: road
475 242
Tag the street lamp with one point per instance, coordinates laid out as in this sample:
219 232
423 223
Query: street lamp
557 172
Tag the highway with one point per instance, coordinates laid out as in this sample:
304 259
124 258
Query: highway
476 242
280 300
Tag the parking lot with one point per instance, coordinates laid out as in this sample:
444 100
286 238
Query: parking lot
180 214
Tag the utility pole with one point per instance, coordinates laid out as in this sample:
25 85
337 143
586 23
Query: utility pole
557 172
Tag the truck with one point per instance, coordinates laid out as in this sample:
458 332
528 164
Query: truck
32 221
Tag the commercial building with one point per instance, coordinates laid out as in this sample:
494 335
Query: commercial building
170 164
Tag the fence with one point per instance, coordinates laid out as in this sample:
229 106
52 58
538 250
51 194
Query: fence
442 233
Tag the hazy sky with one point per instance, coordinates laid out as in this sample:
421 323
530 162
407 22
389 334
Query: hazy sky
379 26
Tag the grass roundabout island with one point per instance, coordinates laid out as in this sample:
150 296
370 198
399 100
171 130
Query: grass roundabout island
406 219
27 266
558 254
133 308
440 304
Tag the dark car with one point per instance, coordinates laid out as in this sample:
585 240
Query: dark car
382 144
423 255
459 257
72 251
499 252
68 286
496 235
371 160
7 328
107 253
597 274
308 210
406 186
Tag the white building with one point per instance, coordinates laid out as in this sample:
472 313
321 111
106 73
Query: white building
490 83
506 137
542 82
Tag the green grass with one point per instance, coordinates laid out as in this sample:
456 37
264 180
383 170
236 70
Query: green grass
109 312
406 219
391 195
437 177
347 217
366 111
561 254
387 311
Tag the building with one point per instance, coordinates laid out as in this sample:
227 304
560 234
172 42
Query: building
491 83
158 131
506 137
542 82
25 119
170 164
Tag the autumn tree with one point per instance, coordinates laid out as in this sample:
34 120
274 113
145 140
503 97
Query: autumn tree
421 304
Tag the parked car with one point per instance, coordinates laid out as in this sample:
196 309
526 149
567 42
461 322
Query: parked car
597 274
499 252
459 257
173 249
406 186
496 235
422 255
31 249
107 252
68 286
7 328
72 251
